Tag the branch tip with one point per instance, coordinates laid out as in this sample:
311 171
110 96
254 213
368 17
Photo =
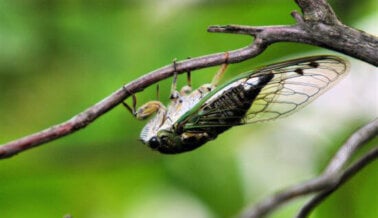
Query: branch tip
236 29
297 16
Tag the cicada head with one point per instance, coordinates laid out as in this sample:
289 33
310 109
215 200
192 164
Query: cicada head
165 141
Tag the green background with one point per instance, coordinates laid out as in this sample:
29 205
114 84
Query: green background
59 57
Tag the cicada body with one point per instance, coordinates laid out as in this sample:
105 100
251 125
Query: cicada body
196 117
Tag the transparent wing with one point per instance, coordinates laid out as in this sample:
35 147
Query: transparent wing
294 86
267 93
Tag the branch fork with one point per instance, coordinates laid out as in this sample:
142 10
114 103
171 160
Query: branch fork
332 177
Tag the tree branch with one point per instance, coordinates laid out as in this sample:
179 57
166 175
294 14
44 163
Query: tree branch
326 181
349 173
327 33
318 26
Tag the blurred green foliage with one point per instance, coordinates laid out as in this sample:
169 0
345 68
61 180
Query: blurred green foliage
59 57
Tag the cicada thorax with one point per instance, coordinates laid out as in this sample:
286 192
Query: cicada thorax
160 132
171 138
233 103
225 109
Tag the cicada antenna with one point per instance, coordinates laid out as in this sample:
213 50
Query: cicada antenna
132 109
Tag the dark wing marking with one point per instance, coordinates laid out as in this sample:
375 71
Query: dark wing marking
265 94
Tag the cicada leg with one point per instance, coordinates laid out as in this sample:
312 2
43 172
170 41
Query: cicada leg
132 109
204 89
218 76
148 109
158 92
186 90
195 137
174 93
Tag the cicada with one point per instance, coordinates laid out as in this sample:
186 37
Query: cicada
195 117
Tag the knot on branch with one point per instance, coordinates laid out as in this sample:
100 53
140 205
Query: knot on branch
318 12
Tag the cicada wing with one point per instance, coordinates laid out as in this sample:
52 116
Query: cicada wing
267 93
294 85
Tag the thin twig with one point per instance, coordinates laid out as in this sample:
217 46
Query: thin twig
322 182
360 137
349 173
317 27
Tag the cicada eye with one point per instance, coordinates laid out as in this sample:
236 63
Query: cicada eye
154 142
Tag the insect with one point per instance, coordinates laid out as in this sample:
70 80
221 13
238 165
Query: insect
195 117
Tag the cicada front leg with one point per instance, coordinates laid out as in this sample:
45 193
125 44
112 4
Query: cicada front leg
148 109
132 108
145 110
